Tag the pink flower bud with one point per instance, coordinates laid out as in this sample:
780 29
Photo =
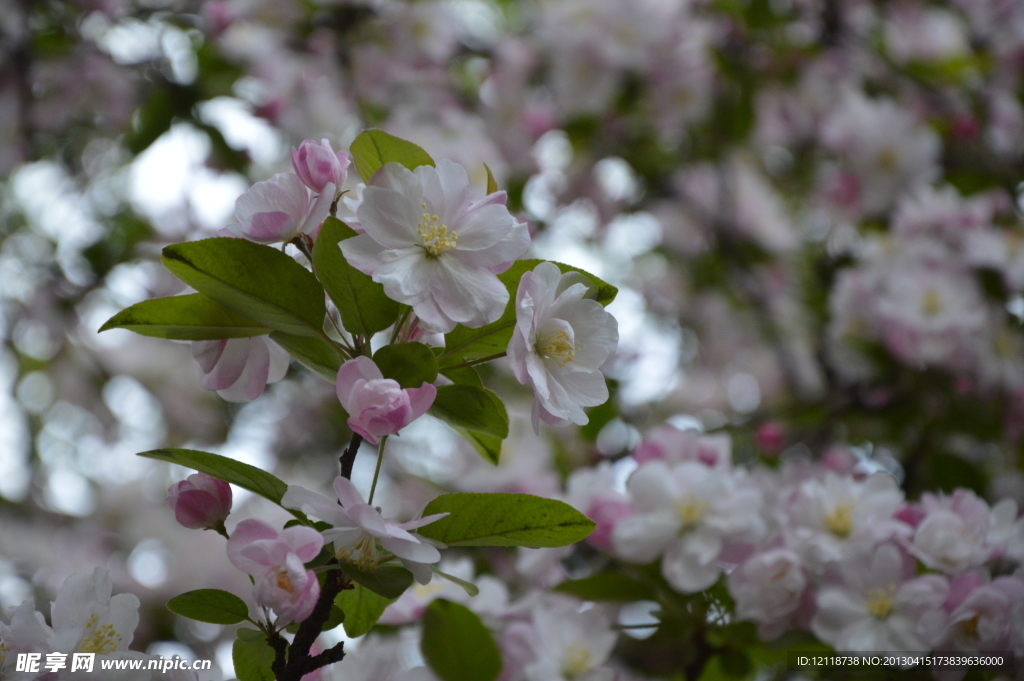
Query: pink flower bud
770 437
318 166
200 501
378 406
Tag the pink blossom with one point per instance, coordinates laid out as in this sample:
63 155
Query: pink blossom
378 406
769 589
200 501
279 209
239 369
879 605
318 165
952 536
982 619
276 560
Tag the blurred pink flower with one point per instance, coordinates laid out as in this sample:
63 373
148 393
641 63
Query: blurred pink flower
200 501
239 369
378 406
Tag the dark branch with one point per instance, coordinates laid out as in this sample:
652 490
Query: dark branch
348 459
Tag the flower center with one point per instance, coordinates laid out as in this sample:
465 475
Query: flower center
435 235
879 601
691 510
577 661
363 551
931 303
970 627
284 581
558 347
839 521
888 158
102 640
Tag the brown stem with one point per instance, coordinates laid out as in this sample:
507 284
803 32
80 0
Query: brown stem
348 459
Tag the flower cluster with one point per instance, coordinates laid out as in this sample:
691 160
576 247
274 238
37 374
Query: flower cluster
827 548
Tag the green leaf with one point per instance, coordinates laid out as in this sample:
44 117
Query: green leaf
464 376
317 354
477 409
389 581
607 586
257 281
192 317
363 306
463 343
492 186
505 520
221 467
486 446
210 605
252 656
411 364
362 609
457 645
373 148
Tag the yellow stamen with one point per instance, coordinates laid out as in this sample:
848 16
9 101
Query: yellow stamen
435 235
578 660
879 601
284 581
558 347
931 303
888 158
839 521
691 510
363 553
102 640
970 626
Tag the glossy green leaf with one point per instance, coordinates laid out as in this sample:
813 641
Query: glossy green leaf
411 364
192 317
505 520
607 586
317 354
363 306
457 645
373 148
463 343
389 581
210 605
472 408
257 281
252 656
362 609
248 477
